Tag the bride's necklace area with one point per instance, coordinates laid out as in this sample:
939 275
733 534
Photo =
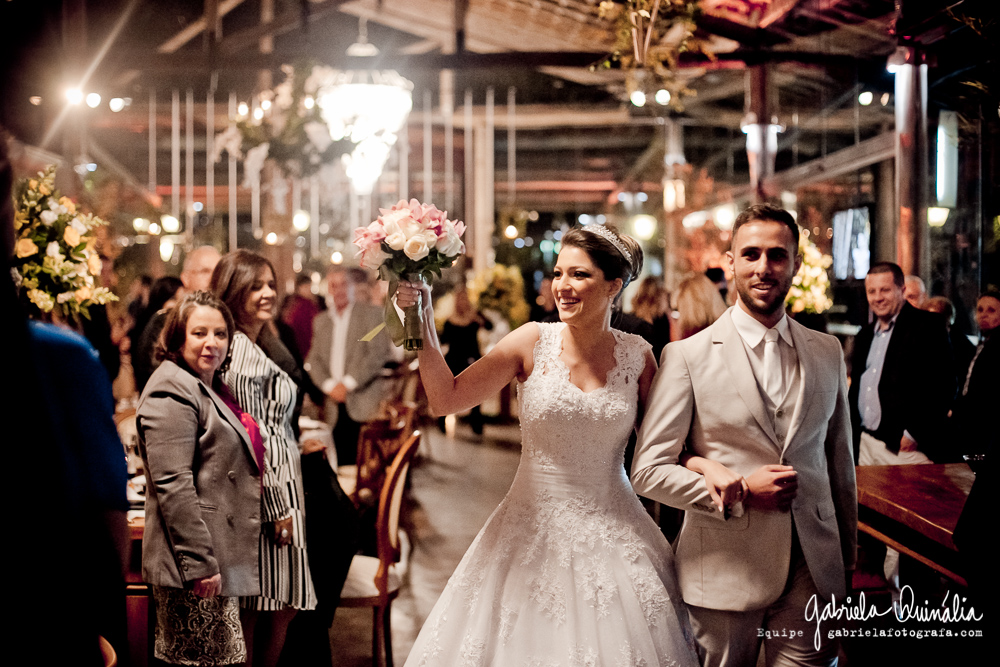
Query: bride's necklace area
579 362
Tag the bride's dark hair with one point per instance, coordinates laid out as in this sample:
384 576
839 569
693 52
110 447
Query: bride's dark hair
605 255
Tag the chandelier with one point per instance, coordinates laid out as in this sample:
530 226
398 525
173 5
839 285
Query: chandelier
368 107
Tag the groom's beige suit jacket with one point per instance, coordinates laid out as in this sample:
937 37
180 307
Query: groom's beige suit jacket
705 399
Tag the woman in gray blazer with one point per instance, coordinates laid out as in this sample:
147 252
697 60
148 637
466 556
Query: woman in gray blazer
202 459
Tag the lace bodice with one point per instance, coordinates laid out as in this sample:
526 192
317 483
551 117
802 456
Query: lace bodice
572 431
570 570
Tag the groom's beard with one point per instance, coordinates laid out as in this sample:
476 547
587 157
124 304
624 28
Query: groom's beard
760 305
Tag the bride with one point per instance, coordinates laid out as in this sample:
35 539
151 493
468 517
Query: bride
569 570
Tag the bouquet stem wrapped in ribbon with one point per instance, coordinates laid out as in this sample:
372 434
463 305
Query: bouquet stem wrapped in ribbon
411 241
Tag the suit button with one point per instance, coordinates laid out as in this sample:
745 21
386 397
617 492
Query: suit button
777 413
232 475
231 519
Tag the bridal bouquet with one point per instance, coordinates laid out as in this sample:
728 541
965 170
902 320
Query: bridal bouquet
55 263
413 241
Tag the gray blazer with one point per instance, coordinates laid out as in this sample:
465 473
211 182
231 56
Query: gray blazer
202 486
363 361
705 400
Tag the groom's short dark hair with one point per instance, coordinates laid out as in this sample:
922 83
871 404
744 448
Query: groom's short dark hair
768 213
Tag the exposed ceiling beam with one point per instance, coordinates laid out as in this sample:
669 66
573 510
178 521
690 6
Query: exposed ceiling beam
195 28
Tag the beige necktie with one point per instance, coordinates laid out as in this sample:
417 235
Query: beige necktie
772 380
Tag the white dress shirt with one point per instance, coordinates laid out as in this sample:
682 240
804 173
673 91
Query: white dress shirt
338 351
752 334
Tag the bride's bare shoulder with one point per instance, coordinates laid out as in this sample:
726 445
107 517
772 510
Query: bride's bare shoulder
521 343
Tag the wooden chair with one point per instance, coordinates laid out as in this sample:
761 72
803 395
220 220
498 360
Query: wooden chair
374 582
378 443
107 653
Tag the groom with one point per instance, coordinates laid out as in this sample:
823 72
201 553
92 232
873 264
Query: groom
766 398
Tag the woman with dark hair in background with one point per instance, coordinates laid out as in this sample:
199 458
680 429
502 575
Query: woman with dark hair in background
569 567
651 304
202 457
461 335
163 295
245 282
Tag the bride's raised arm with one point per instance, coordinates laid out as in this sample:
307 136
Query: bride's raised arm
447 394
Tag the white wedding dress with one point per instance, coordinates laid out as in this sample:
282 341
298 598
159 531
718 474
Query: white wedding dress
569 570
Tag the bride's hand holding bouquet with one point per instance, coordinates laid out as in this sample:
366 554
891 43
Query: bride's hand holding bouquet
410 241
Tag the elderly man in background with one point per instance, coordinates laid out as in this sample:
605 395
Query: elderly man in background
915 291
347 369
902 380
196 274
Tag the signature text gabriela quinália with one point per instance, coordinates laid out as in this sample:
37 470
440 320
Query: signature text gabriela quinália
905 609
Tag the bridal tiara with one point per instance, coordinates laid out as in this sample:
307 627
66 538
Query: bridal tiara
611 238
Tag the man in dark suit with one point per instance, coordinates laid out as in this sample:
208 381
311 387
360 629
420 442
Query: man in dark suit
348 370
974 418
902 379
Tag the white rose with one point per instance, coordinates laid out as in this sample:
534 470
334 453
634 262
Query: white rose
390 222
396 240
52 250
416 248
78 225
65 296
413 229
450 244
48 217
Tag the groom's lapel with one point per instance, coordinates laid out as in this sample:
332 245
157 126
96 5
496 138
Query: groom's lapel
725 335
808 371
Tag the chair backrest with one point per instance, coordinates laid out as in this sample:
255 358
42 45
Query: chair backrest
390 503
378 443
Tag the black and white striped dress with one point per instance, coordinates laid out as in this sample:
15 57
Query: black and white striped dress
265 392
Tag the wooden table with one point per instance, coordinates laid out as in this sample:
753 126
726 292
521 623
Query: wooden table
914 510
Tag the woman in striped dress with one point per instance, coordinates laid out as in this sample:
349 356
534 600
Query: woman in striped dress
245 282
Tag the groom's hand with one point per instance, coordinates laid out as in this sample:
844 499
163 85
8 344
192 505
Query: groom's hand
772 487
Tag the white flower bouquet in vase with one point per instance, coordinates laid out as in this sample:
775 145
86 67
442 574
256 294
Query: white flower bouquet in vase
411 241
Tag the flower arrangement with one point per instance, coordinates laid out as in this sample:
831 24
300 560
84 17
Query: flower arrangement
810 291
55 263
651 35
501 288
292 131
411 240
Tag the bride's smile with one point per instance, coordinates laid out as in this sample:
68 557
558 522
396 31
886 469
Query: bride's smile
579 286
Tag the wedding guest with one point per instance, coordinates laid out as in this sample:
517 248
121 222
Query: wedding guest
544 307
202 457
195 275
461 334
164 294
902 380
974 416
652 304
699 305
962 349
914 291
245 282
298 312
347 369
67 430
